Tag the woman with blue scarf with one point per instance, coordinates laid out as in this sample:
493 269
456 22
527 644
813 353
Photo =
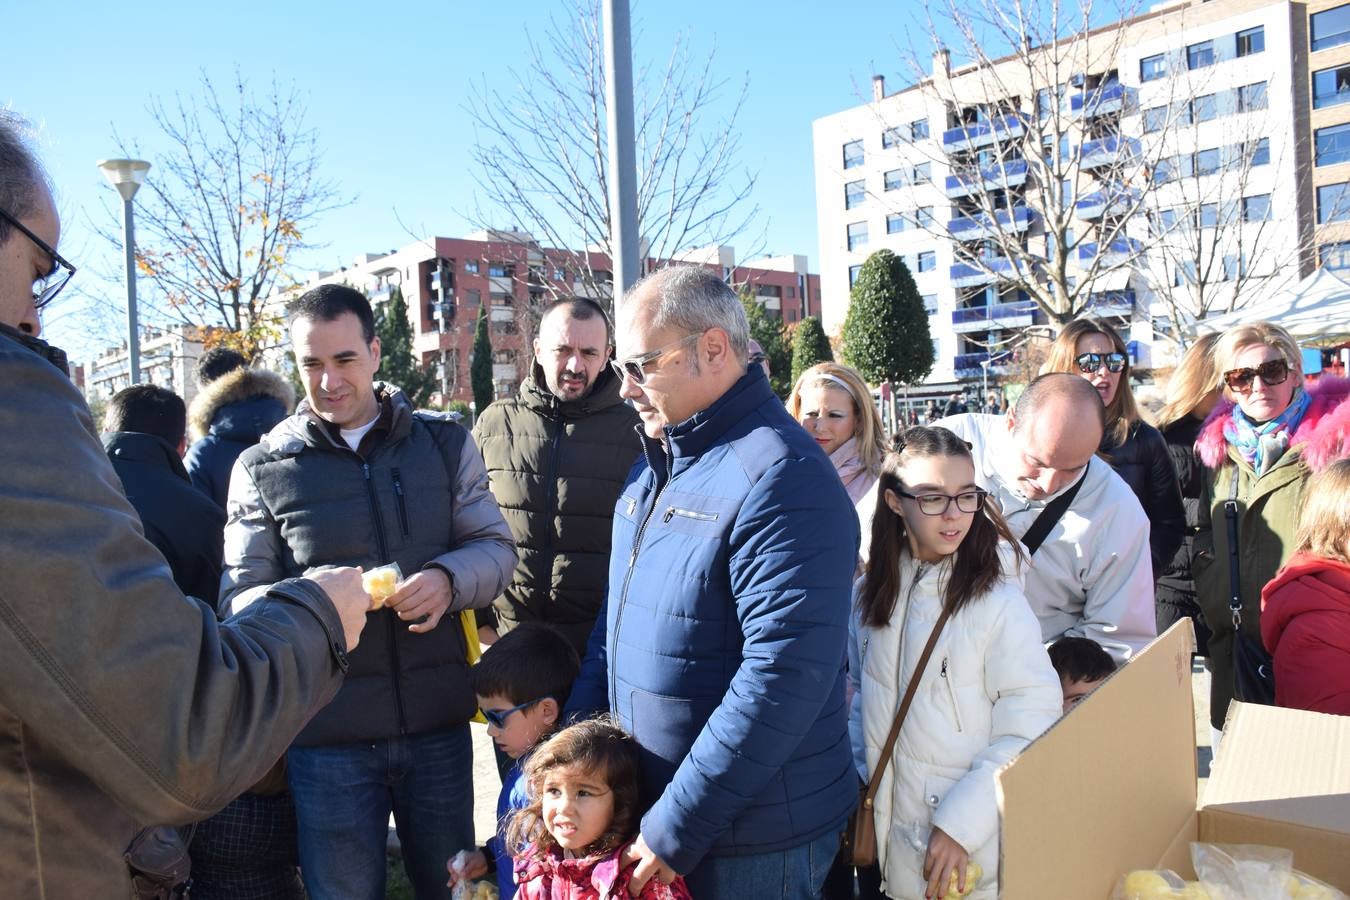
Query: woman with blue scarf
1260 445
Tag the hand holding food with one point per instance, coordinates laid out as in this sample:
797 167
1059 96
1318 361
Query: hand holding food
380 583
973 873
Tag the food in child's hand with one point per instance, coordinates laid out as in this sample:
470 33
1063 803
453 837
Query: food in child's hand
973 873
485 891
380 584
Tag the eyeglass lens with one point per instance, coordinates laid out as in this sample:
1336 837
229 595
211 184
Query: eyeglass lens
936 504
1271 372
1092 362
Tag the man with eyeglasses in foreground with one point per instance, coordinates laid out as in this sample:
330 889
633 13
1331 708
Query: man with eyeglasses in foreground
721 647
1091 574
121 701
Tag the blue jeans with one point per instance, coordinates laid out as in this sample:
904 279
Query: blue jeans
344 795
793 874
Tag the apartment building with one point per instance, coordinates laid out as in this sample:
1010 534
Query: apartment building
168 359
1158 169
447 281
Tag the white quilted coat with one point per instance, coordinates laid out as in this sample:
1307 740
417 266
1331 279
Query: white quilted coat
988 690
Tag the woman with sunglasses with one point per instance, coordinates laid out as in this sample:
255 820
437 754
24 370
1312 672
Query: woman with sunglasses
1094 350
1260 446
833 404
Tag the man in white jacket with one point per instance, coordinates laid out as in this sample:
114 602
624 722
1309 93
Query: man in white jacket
1092 576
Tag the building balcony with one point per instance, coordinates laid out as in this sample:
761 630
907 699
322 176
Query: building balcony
501 284
970 228
989 271
381 294
503 371
442 311
1102 100
1000 315
974 135
1107 151
1106 202
1118 251
503 314
971 365
434 279
1111 303
1010 174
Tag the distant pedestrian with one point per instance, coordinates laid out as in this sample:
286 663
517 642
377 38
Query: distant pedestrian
955 406
930 413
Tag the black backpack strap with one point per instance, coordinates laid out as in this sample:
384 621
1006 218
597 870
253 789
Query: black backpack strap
1053 512
1230 512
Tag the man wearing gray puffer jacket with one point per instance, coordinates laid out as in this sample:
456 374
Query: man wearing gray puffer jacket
356 477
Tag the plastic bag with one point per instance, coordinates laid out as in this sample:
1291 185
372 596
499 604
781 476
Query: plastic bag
1253 872
469 890
1159 884
381 582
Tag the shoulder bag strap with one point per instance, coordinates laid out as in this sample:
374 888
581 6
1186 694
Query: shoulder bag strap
1053 512
1230 512
875 783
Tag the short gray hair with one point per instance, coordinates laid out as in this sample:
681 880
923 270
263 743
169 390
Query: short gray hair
21 175
693 299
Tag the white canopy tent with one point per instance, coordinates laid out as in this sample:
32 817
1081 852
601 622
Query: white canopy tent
1316 311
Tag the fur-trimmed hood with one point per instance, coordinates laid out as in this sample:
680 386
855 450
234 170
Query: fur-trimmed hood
1323 435
235 387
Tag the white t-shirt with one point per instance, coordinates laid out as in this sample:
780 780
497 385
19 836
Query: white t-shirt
353 437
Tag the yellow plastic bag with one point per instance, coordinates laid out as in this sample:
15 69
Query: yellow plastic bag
473 650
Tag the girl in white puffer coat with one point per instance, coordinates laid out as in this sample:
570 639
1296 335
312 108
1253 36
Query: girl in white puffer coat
987 691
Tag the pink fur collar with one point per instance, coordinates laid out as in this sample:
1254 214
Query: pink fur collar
1324 433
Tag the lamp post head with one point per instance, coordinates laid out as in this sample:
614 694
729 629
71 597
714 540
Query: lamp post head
127 175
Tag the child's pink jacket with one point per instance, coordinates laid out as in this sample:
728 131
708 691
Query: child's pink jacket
546 876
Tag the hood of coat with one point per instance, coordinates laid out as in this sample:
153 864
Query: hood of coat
233 389
1306 584
534 391
1324 433
138 447
307 427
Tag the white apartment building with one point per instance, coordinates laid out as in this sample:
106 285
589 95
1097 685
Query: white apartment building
168 359
1184 134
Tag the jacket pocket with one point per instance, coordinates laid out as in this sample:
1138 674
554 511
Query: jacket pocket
946 679
673 511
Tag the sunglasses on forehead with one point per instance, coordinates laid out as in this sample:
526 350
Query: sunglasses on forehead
1273 371
1088 363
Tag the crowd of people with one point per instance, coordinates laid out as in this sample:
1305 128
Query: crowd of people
708 619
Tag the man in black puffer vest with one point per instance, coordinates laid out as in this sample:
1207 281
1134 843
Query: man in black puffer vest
356 477
557 458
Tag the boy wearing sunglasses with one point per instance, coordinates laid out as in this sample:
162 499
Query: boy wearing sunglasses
521 682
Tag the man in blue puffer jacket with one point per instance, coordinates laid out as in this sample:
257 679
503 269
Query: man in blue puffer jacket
721 648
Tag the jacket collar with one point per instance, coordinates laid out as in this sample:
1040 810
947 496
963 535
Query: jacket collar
1323 435
136 446
536 395
54 355
214 400
708 426
394 409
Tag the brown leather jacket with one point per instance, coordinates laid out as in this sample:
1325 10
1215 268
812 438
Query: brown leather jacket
121 701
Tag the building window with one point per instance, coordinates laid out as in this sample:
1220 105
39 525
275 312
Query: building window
923 216
857 235
895 223
1162 222
1253 40
1260 152
853 154
1335 256
1154 119
1256 208
890 138
497 270
1208 215
1331 86
930 304
1230 268
1164 171
1151 68
853 272
1207 162
471 266
1200 55
1203 109
1252 97
894 179
923 173
927 261
1331 28
918 129
853 194
1333 203
1331 145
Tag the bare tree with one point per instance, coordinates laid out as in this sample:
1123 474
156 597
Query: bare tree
542 150
226 208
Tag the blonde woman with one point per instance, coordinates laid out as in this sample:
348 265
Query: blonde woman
834 405
1259 446
1095 351
1191 395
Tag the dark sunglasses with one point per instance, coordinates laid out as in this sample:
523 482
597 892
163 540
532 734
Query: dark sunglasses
1088 363
48 286
1273 371
937 504
497 717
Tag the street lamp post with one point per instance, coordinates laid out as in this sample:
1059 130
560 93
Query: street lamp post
984 397
127 175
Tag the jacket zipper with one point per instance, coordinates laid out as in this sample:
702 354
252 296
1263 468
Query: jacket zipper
672 511
392 627
951 692
551 479
402 505
628 576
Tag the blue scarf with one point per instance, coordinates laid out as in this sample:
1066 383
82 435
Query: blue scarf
1262 444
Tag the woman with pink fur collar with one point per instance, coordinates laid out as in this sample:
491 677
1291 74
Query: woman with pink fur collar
1269 434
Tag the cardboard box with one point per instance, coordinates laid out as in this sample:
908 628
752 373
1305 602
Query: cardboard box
1112 787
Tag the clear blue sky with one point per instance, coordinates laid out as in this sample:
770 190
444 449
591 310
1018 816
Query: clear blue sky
386 86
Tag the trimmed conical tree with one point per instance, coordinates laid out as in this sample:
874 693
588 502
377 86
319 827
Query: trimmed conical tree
398 363
885 334
809 346
480 366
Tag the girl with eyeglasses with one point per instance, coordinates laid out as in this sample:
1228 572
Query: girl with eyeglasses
986 691
1134 448
1260 446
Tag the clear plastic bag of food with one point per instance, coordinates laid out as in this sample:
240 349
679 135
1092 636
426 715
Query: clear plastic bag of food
1254 872
380 583
1158 884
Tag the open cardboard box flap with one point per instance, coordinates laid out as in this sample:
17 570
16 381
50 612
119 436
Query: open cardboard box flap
1112 787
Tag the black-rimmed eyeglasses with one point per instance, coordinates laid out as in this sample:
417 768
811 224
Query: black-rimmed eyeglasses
48 286
937 504
635 367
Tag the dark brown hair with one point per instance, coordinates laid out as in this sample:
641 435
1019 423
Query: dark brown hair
976 565
595 746
1080 659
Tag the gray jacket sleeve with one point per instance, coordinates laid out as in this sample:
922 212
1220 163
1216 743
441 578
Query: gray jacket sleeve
484 554
253 545
168 711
